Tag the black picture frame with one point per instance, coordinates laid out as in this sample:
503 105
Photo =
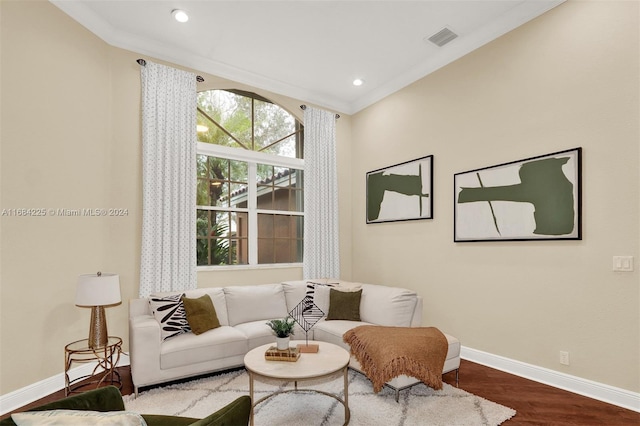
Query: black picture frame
400 192
537 198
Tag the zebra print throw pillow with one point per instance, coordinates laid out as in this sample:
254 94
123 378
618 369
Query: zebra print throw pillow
169 312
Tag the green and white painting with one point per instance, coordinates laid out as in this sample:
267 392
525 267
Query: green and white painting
401 192
533 199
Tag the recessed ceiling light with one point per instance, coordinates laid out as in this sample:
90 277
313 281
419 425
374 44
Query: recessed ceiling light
180 15
358 82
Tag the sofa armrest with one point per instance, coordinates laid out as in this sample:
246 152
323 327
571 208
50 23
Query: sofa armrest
416 320
163 420
235 413
144 349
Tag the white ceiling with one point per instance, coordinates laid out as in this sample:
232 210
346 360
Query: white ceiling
308 50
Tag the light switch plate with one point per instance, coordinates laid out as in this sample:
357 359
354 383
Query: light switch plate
623 263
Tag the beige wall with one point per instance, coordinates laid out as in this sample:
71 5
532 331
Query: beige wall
60 149
71 139
567 79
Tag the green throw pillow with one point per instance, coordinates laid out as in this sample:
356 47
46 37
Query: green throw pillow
201 314
344 305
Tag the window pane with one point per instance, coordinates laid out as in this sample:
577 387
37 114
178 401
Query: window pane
281 177
202 251
232 112
201 165
280 238
203 223
240 252
239 171
202 195
219 193
272 123
221 224
264 173
282 251
265 250
222 238
279 188
265 226
285 148
265 197
296 199
281 226
239 195
218 168
219 248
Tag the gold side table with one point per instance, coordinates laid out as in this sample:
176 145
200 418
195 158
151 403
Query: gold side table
104 373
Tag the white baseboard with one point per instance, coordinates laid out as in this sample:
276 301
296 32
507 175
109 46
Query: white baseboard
35 391
609 394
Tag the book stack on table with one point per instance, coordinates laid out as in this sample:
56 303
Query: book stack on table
275 354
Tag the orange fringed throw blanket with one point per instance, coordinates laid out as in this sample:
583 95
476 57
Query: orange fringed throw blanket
387 352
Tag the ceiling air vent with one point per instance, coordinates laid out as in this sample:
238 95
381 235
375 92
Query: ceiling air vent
442 37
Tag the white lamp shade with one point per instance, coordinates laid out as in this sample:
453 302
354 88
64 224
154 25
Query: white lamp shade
98 290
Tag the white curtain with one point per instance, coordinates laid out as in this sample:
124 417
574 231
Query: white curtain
169 104
321 233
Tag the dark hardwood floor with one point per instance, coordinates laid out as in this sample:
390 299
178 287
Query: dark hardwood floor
535 403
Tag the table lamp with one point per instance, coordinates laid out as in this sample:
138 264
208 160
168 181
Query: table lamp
97 291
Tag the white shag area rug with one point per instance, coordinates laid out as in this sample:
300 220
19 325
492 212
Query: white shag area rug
419 405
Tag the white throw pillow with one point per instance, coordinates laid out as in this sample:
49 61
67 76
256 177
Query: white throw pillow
255 303
78 417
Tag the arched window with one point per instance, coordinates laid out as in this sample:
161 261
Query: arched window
250 181
246 120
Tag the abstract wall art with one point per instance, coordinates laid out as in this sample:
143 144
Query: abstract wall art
401 192
538 198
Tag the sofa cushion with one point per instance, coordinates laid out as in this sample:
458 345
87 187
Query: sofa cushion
187 349
77 417
169 312
254 303
294 292
344 305
257 333
201 314
390 306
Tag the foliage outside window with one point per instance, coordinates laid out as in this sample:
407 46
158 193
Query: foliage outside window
250 181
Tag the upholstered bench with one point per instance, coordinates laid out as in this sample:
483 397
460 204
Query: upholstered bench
385 353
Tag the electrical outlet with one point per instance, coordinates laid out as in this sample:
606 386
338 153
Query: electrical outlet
564 358
623 263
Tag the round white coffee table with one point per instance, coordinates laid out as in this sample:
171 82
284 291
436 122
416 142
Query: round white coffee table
329 360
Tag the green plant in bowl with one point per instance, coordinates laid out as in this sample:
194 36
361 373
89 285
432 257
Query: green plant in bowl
282 327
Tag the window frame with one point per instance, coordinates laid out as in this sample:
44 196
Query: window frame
253 158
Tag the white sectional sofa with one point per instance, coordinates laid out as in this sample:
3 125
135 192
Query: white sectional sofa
242 312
